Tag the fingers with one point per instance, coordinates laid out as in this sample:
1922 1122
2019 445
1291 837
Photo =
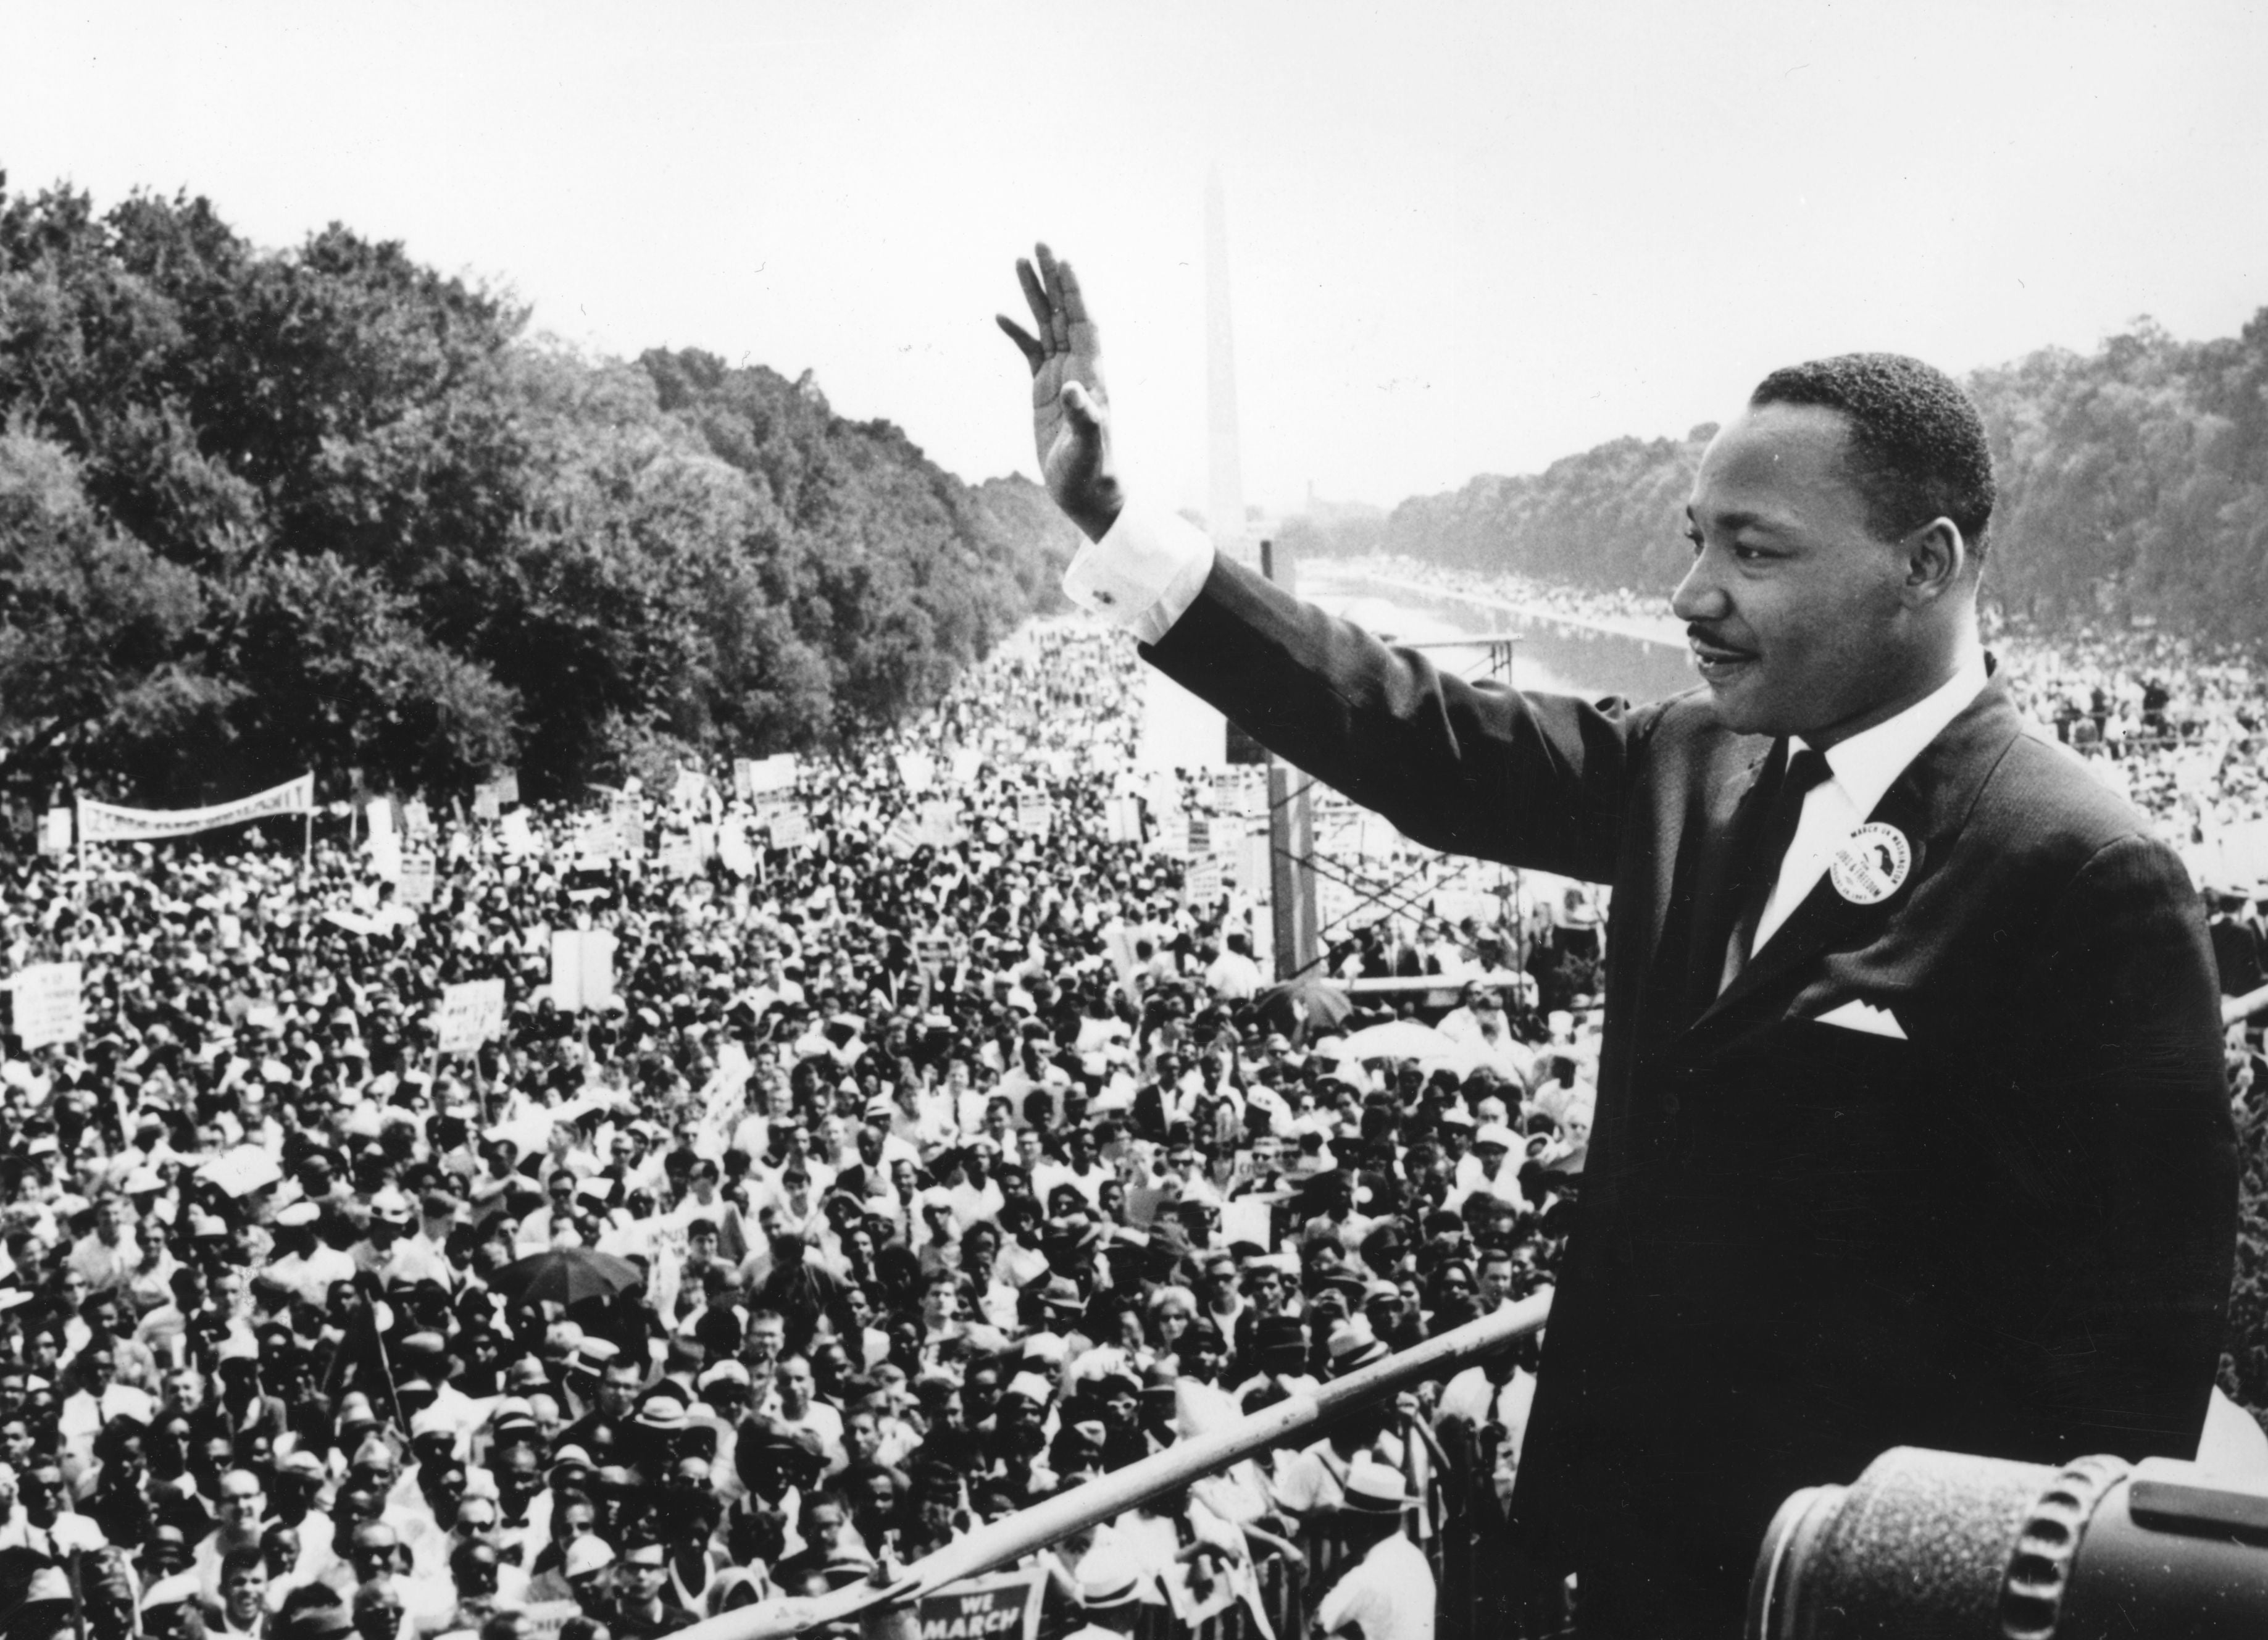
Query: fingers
1058 331
1035 296
1074 305
1081 408
1034 355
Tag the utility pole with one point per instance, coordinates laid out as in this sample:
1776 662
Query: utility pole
1291 829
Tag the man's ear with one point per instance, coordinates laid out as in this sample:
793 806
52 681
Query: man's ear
1936 559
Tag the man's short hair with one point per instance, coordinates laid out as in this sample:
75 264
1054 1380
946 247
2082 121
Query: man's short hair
1917 444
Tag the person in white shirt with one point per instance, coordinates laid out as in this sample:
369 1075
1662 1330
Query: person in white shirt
1389 1595
1234 976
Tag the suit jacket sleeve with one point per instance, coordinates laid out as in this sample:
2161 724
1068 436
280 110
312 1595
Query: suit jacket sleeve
2114 1164
1470 768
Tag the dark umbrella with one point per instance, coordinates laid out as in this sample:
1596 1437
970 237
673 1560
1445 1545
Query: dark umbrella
1302 1008
565 1275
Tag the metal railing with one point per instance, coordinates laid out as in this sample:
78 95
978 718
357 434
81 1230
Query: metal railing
1004 1541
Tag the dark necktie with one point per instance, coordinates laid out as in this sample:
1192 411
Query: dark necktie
1803 771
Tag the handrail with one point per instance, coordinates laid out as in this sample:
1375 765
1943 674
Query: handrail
1000 1542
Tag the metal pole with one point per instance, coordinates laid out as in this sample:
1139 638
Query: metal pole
1000 1542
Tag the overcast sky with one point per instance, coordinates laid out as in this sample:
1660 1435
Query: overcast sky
1462 239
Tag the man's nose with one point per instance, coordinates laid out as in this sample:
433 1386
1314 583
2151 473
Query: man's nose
1700 596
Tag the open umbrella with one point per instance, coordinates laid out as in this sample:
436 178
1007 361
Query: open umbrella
565 1275
242 1171
1402 1039
1302 1008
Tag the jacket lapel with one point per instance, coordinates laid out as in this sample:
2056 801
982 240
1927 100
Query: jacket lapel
1693 881
1928 803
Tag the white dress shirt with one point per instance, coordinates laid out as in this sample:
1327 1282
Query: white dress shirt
1861 769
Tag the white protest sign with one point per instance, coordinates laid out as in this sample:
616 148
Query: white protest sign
417 818
917 769
967 761
543 1619
56 832
776 773
791 829
48 1006
940 822
1203 885
470 1014
734 852
378 813
518 841
485 803
691 783
1034 817
1121 820
507 786
582 969
679 855
416 884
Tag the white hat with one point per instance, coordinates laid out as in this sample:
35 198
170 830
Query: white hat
1373 1488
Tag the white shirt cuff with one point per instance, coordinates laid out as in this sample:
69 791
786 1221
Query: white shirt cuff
1145 571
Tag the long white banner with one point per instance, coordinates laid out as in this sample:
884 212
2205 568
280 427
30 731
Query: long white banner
108 823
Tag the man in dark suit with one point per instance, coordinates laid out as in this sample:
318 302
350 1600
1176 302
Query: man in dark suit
1910 1124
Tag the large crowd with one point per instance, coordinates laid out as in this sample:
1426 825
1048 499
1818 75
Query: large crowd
934 1141
929 1146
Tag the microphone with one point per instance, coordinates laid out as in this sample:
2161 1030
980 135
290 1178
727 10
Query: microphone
1949 1546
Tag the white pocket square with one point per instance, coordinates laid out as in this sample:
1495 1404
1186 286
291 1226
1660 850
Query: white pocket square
1857 1015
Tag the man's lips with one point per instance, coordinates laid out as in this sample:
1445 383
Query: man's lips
1716 658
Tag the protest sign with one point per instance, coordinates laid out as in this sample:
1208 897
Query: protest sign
485 803
903 836
691 783
416 818
1003 1606
1121 820
1033 816
791 829
416 885
917 769
940 822
48 1006
679 855
470 1014
543 1619
108 823
1203 885
933 952
765 774
734 852
582 969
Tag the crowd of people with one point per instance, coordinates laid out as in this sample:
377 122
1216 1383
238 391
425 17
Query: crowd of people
929 1146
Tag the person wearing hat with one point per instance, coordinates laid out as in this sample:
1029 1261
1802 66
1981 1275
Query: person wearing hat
1486 1171
1389 1593
1109 1582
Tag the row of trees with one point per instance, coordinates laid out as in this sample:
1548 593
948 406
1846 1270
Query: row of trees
263 511
2134 484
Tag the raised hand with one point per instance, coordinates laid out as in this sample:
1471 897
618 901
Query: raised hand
1070 412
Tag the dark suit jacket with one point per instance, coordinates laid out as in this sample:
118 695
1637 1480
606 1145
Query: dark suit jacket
1798 1245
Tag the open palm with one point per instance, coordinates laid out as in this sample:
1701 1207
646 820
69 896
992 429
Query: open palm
1069 410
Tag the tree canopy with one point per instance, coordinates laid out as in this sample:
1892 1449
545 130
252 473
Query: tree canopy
267 511
2133 486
